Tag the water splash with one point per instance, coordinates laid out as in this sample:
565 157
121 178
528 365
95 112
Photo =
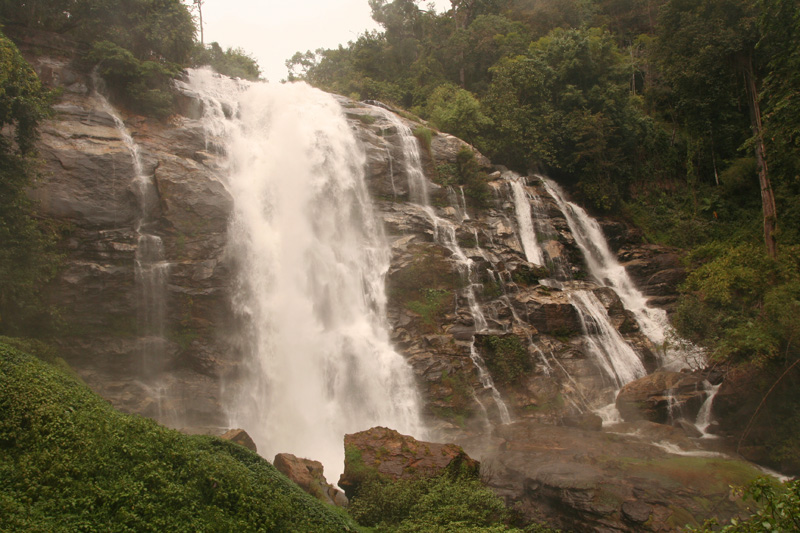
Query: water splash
311 262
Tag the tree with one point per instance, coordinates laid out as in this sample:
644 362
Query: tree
779 24
457 111
707 51
27 258
565 107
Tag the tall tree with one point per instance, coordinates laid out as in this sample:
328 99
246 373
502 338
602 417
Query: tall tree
707 50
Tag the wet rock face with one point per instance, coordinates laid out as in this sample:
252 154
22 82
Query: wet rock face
581 480
87 183
662 397
386 453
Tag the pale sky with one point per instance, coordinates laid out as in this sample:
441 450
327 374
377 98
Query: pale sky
273 30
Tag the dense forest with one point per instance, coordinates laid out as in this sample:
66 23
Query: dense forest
680 117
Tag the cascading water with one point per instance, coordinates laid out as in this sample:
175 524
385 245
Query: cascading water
605 268
703 421
615 356
527 231
311 260
151 270
444 233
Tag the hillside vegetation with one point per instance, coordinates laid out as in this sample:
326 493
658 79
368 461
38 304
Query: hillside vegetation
70 462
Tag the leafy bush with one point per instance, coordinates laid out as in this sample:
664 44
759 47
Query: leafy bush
28 259
425 136
70 462
741 303
233 62
443 504
143 86
779 510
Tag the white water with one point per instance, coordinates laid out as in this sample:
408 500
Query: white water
704 420
614 355
444 233
311 260
151 270
527 231
605 268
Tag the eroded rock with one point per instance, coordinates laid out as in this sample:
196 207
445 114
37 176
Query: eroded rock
309 476
385 452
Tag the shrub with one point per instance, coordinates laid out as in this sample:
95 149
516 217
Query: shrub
70 462
779 509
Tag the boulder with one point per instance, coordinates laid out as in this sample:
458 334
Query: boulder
240 436
662 397
587 421
308 474
578 480
386 453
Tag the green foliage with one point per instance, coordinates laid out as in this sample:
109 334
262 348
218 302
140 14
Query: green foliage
138 45
506 358
432 306
443 504
144 86
565 105
741 303
233 62
27 246
158 30
457 111
779 510
70 462
424 135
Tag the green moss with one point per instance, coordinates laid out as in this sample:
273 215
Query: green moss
432 306
70 462
364 119
425 136
506 358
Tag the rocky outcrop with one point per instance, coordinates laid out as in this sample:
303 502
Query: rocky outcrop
581 480
309 476
662 397
240 437
386 453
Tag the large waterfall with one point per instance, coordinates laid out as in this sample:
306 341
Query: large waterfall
311 259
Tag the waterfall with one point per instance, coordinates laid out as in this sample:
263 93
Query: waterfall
604 267
444 233
151 270
311 260
614 355
703 420
527 231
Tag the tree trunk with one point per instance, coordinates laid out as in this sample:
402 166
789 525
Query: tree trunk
767 196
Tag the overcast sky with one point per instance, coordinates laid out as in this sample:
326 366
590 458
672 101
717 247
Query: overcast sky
273 30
